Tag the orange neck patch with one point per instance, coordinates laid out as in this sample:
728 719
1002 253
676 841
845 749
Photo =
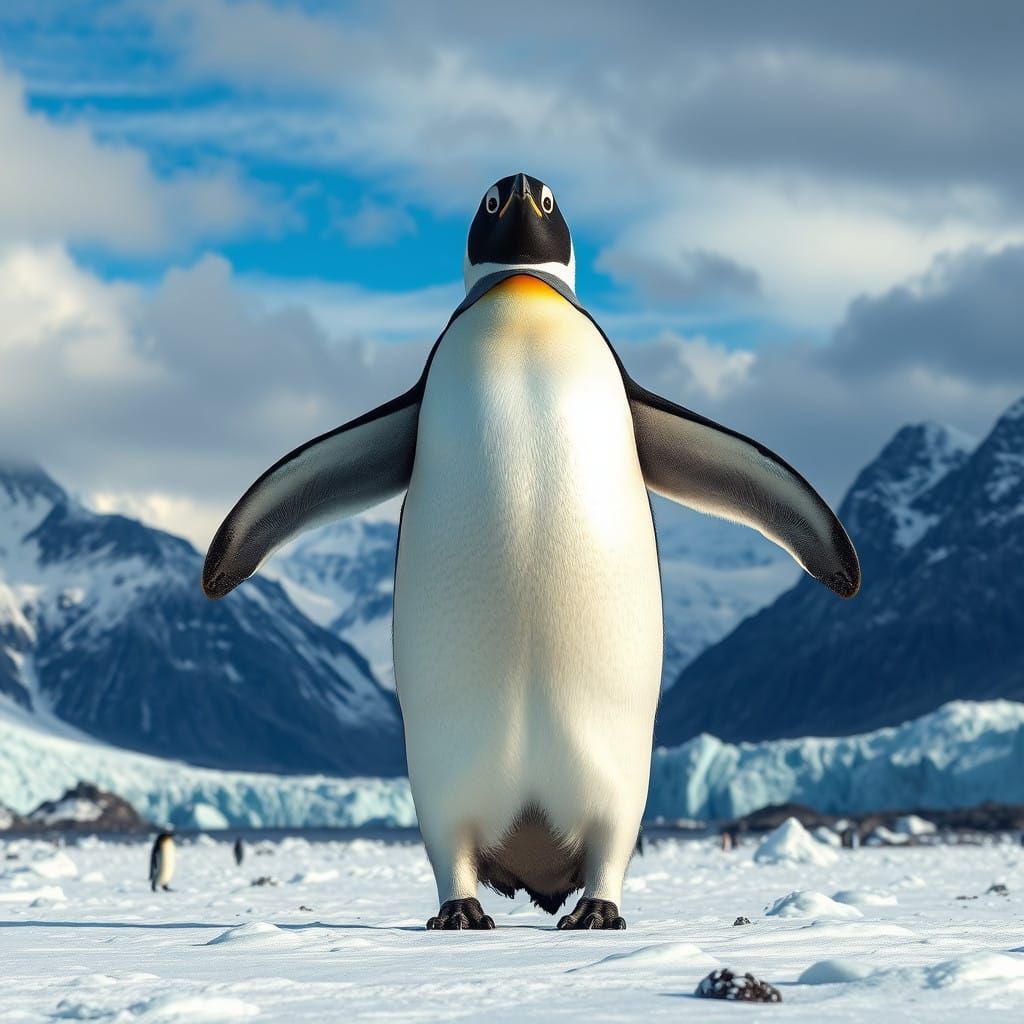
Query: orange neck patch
525 286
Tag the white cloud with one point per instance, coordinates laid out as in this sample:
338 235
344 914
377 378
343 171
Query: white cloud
170 402
821 164
187 517
813 248
59 183
167 403
943 347
675 365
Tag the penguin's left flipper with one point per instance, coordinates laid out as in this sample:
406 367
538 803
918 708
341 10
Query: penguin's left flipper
350 469
705 466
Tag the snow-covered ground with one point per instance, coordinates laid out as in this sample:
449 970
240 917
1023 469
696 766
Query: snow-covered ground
879 935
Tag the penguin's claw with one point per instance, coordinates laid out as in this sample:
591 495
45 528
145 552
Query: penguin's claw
456 915
592 913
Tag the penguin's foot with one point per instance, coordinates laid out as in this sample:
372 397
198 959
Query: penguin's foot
458 914
591 913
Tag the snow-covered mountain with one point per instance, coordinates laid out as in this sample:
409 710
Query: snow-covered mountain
342 577
714 574
103 627
939 526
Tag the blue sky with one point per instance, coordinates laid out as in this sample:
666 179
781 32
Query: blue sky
226 226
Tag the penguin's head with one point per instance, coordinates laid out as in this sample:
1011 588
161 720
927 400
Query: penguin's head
519 224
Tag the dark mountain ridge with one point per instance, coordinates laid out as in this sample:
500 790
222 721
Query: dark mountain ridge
940 532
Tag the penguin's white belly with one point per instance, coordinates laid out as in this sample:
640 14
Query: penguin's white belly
528 629
165 868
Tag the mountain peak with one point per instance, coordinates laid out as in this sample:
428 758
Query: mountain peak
880 510
1014 412
1008 432
999 468
24 480
924 444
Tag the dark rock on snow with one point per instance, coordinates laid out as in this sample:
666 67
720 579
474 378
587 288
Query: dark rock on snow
87 808
727 984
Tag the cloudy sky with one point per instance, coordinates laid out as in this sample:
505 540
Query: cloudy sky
228 226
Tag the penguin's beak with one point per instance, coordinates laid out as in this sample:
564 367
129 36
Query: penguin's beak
520 194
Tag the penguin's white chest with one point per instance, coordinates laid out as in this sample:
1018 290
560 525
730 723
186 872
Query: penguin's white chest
165 869
528 633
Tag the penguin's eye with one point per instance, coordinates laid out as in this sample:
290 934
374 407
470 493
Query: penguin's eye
491 200
547 200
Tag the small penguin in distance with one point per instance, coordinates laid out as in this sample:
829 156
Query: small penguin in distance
161 862
239 851
527 599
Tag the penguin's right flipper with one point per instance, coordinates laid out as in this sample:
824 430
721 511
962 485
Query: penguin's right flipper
361 464
705 466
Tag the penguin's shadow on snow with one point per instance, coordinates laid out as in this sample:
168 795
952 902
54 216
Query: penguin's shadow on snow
305 926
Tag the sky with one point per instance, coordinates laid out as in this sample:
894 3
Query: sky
226 227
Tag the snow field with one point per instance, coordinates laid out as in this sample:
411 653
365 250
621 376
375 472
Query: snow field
340 937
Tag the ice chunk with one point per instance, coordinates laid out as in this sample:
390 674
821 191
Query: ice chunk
827 836
833 972
807 903
883 836
912 825
256 935
791 843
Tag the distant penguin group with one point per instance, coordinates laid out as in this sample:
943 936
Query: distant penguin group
527 598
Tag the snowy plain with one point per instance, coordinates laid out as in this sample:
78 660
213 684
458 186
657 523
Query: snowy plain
876 934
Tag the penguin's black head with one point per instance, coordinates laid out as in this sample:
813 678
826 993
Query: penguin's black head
519 224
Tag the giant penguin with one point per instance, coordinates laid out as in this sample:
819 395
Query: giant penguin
527 617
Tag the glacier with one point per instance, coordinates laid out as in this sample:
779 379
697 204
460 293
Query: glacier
40 763
961 755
